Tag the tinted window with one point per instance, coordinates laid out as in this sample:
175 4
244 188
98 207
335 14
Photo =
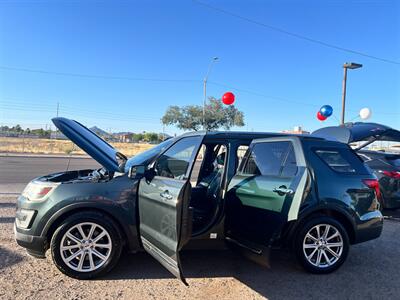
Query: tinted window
269 159
241 153
394 160
175 161
364 157
335 160
289 168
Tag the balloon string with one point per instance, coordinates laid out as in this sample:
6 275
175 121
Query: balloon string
336 119
356 117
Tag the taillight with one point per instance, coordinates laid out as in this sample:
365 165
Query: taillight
392 174
373 184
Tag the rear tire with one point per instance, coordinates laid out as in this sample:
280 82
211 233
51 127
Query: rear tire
86 245
322 245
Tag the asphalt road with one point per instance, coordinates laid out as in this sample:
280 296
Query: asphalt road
17 171
371 271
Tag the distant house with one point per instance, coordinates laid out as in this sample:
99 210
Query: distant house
57 135
296 130
124 137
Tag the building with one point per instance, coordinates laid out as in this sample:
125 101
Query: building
296 130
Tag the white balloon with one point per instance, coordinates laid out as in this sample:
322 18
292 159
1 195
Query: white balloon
365 113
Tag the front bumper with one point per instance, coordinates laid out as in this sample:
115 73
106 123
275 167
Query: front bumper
369 227
35 245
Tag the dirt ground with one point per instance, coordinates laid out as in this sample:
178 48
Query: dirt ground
64 147
371 272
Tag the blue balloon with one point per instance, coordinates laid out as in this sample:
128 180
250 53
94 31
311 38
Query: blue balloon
326 110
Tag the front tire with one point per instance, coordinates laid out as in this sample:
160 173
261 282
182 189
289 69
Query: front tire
322 245
86 245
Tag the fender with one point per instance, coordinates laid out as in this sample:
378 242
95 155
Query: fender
322 208
127 224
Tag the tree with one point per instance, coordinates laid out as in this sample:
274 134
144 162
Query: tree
150 137
217 115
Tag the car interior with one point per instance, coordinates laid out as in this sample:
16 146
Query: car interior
206 180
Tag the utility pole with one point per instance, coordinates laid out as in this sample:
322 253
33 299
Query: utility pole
58 108
346 66
205 90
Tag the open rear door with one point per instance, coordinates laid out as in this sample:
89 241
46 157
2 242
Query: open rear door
165 218
265 194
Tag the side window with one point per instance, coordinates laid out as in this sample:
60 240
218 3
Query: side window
289 168
174 163
241 153
197 166
335 160
268 159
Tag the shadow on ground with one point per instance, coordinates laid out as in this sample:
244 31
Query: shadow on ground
4 220
363 275
8 258
8 204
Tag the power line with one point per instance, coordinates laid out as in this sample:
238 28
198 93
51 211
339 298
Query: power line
95 76
296 35
263 95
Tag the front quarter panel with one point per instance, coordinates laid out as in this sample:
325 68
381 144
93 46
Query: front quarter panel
116 197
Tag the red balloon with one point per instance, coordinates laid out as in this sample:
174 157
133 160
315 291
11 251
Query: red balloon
320 116
228 98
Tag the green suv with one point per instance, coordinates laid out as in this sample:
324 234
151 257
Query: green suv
249 191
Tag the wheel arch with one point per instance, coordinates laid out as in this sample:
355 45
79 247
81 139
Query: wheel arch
129 235
343 217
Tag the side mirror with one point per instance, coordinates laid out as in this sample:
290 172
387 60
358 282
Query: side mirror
149 174
137 171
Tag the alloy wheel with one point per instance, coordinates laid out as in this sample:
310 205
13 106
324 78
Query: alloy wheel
323 245
85 247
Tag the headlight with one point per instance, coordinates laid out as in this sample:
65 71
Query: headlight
23 218
38 191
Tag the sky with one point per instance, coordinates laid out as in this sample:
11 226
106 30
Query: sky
119 64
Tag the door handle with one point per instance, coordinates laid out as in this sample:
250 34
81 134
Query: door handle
283 190
166 195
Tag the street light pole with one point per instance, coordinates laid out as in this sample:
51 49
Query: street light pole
346 66
205 90
344 94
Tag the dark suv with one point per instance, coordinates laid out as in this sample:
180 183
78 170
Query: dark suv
251 191
386 166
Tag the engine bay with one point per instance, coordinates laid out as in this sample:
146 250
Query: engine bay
89 175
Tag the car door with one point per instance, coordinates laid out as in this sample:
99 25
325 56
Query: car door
165 219
267 190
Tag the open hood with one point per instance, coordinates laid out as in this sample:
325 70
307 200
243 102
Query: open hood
91 143
357 132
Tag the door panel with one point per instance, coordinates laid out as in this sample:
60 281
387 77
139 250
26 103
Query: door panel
160 219
165 218
260 204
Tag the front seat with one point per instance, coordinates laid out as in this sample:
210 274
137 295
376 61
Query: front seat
212 183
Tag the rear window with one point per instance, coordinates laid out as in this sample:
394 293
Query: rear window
335 160
394 160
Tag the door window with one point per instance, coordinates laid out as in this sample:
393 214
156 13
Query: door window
289 168
175 162
271 159
241 153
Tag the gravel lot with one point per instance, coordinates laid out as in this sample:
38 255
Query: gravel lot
372 271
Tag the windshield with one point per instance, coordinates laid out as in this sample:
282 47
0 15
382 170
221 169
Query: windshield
146 156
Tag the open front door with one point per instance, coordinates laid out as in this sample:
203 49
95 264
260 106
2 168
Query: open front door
165 218
266 192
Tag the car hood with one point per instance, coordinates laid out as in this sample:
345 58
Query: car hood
91 143
360 131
